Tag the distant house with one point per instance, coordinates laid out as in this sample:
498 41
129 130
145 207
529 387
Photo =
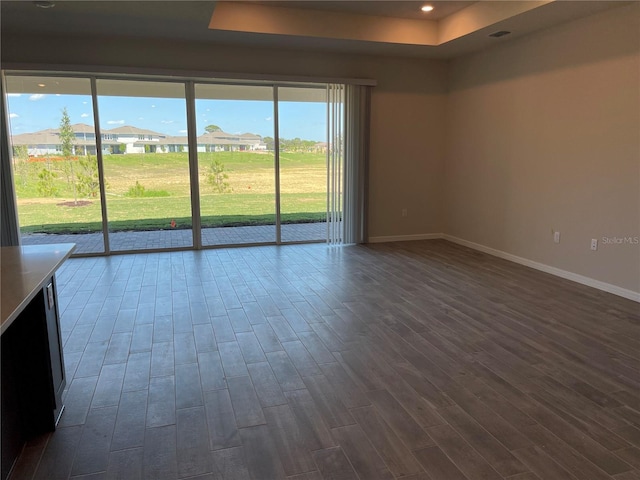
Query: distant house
320 147
171 144
129 139
38 143
222 141
255 141
47 142
135 139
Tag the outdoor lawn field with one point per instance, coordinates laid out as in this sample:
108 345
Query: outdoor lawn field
152 191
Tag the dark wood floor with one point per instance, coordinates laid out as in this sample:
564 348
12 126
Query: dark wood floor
417 360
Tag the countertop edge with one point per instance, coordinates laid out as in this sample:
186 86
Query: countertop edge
25 301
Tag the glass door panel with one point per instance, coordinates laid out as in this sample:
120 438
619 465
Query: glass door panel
145 154
55 169
236 164
302 114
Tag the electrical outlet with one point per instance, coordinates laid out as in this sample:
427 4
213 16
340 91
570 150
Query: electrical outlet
594 244
556 237
404 212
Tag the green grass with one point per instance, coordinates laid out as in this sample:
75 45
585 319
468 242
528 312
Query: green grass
181 223
166 197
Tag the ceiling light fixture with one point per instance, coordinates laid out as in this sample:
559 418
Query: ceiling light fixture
427 8
44 4
41 85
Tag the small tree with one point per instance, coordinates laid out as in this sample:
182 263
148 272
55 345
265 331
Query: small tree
67 139
217 178
88 182
46 182
20 163
212 128
269 142
308 145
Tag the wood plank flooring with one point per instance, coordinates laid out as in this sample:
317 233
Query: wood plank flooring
416 360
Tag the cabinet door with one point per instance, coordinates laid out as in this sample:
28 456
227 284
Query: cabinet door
55 346
12 433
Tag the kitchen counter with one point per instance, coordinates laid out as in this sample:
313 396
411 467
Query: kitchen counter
24 271
33 375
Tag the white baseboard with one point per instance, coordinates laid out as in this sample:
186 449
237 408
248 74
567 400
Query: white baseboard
405 238
607 287
590 282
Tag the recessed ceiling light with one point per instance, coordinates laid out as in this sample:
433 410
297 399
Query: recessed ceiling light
44 4
427 8
41 85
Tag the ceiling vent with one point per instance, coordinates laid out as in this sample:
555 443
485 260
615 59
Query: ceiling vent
499 34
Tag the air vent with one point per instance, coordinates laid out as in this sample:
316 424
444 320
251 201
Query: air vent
499 34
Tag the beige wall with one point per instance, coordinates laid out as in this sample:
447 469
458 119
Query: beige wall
538 134
544 134
407 134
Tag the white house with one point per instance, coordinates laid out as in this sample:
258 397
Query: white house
222 141
173 144
129 139
135 139
47 142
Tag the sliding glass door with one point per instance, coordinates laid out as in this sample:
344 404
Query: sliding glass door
235 125
302 120
51 127
132 164
143 128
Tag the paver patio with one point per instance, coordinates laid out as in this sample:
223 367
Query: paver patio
146 240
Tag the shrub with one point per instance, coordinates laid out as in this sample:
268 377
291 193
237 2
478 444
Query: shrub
20 163
217 178
46 185
139 191
136 191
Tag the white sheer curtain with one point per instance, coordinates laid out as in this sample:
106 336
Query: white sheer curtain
335 162
347 159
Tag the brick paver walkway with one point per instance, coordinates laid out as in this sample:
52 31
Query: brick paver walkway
93 243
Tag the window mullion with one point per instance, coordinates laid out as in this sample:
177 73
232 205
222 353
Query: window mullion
103 188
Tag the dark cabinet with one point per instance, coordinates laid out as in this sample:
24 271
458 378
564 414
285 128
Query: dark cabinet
33 375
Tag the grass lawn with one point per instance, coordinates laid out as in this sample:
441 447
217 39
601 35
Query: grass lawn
249 199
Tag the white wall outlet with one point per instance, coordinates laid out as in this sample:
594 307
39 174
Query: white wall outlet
594 244
556 237
404 212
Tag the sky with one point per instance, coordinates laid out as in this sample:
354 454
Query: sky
34 112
